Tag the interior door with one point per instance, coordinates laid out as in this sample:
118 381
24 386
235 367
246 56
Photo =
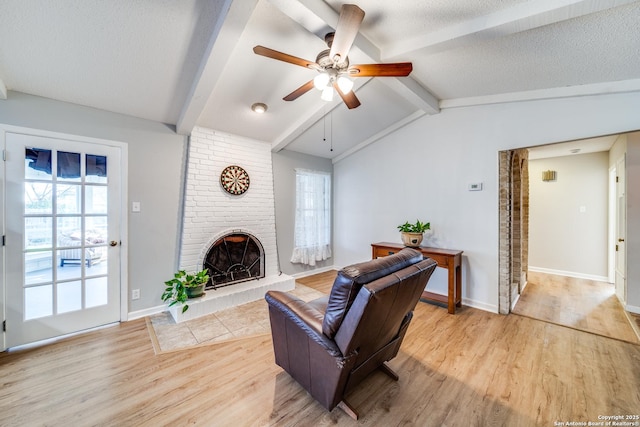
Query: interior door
621 231
63 236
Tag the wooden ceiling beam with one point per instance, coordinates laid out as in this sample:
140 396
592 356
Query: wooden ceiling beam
224 35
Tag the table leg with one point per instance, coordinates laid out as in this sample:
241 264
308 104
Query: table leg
451 300
459 286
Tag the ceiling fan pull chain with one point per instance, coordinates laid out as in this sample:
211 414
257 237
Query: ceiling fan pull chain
331 128
324 125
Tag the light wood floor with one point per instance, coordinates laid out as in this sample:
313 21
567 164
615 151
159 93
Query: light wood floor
469 369
583 304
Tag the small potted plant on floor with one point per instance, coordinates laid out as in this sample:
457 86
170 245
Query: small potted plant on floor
412 234
184 286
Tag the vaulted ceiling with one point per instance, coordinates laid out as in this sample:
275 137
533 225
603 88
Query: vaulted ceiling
190 62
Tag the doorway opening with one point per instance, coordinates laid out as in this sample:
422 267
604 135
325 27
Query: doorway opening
514 214
514 226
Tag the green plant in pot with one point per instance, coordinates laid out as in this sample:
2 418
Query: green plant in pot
412 234
184 286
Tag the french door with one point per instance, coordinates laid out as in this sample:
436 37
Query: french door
62 236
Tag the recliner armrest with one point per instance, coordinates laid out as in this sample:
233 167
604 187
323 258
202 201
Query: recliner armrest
305 316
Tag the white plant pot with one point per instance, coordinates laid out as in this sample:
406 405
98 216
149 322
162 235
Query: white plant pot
411 240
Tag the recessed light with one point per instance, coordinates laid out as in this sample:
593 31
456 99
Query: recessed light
259 107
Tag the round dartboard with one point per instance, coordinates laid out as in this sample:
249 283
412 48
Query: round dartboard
234 180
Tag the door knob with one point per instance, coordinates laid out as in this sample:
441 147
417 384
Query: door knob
113 243
620 240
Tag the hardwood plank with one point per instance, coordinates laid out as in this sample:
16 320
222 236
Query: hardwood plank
582 304
321 281
474 368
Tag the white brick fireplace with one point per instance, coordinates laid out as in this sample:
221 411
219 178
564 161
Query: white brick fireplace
210 213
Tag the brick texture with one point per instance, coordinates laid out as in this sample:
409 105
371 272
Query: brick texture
210 212
514 226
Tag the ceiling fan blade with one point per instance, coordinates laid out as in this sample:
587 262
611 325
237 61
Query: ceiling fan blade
300 91
398 69
274 54
346 31
350 99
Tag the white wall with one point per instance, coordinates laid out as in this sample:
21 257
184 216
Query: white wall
423 170
284 182
633 222
568 217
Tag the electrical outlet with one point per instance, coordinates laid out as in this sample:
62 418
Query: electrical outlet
135 294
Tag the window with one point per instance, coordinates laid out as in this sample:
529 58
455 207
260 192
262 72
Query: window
313 217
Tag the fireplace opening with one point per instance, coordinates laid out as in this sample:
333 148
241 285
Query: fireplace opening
234 258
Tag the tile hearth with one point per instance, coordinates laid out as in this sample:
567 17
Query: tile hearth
231 296
243 321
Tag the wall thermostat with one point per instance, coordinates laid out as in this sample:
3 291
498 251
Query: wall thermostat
475 187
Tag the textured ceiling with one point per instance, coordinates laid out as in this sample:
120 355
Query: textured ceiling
571 148
190 62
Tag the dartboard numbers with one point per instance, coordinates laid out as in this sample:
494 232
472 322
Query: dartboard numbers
234 180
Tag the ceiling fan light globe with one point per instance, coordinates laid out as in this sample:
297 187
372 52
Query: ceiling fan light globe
321 81
345 84
327 94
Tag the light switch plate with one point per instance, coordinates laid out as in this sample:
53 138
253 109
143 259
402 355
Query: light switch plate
135 206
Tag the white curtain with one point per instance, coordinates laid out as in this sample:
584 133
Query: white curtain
313 217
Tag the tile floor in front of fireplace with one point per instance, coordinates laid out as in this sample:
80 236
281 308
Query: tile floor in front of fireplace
233 323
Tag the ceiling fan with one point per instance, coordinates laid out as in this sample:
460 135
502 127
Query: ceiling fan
333 64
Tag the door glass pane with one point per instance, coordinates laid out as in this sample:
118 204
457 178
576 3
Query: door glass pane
38 302
95 199
37 267
96 169
69 296
99 264
69 231
37 164
38 198
68 199
70 263
96 229
68 166
37 233
96 292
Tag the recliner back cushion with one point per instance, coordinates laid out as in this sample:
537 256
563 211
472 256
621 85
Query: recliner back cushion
350 279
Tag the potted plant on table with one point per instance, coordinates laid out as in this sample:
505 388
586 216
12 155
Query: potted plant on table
184 286
412 234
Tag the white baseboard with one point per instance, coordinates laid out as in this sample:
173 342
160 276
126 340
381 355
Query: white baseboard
632 309
465 301
515 301
314 271
133 315
569 274
491 308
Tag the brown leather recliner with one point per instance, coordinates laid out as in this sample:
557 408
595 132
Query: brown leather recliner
331 344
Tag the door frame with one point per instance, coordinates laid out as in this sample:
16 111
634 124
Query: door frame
124 218
620 163
612 210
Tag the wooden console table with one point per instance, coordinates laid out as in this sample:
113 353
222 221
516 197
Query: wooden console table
445 258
